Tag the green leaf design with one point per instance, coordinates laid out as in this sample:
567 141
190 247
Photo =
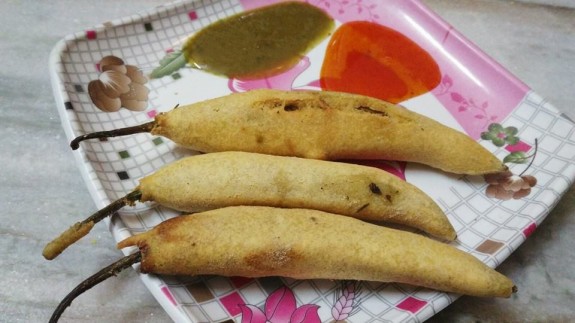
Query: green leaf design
517 157
499 135
512 140
495 128
499 142
169 64
486 135
511 131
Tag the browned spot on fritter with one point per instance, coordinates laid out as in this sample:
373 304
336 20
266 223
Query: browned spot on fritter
291 107
267 104
267 260
374 188
362 207
370 110
144 265
167 226
259 139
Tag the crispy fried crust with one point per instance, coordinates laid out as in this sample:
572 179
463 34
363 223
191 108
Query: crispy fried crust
323 125
307 244
216 180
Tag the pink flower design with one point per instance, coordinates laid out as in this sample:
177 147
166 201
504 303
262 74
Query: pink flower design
445 85
479 111
349 10
346 304
281 307
464 105
396 168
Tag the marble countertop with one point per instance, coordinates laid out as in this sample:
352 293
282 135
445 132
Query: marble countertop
42 190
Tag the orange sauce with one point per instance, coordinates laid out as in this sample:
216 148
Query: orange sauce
369 59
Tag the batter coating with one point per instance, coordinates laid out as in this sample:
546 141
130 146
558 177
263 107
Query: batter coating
308 244
323 125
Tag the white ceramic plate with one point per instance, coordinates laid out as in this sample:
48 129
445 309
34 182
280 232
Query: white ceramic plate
474 93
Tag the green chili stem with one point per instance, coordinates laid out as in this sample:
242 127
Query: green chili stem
81 229
129 199
105 273
146 127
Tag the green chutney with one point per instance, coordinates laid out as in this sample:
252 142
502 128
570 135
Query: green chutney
258 43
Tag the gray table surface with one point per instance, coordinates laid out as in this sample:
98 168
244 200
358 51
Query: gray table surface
41 190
